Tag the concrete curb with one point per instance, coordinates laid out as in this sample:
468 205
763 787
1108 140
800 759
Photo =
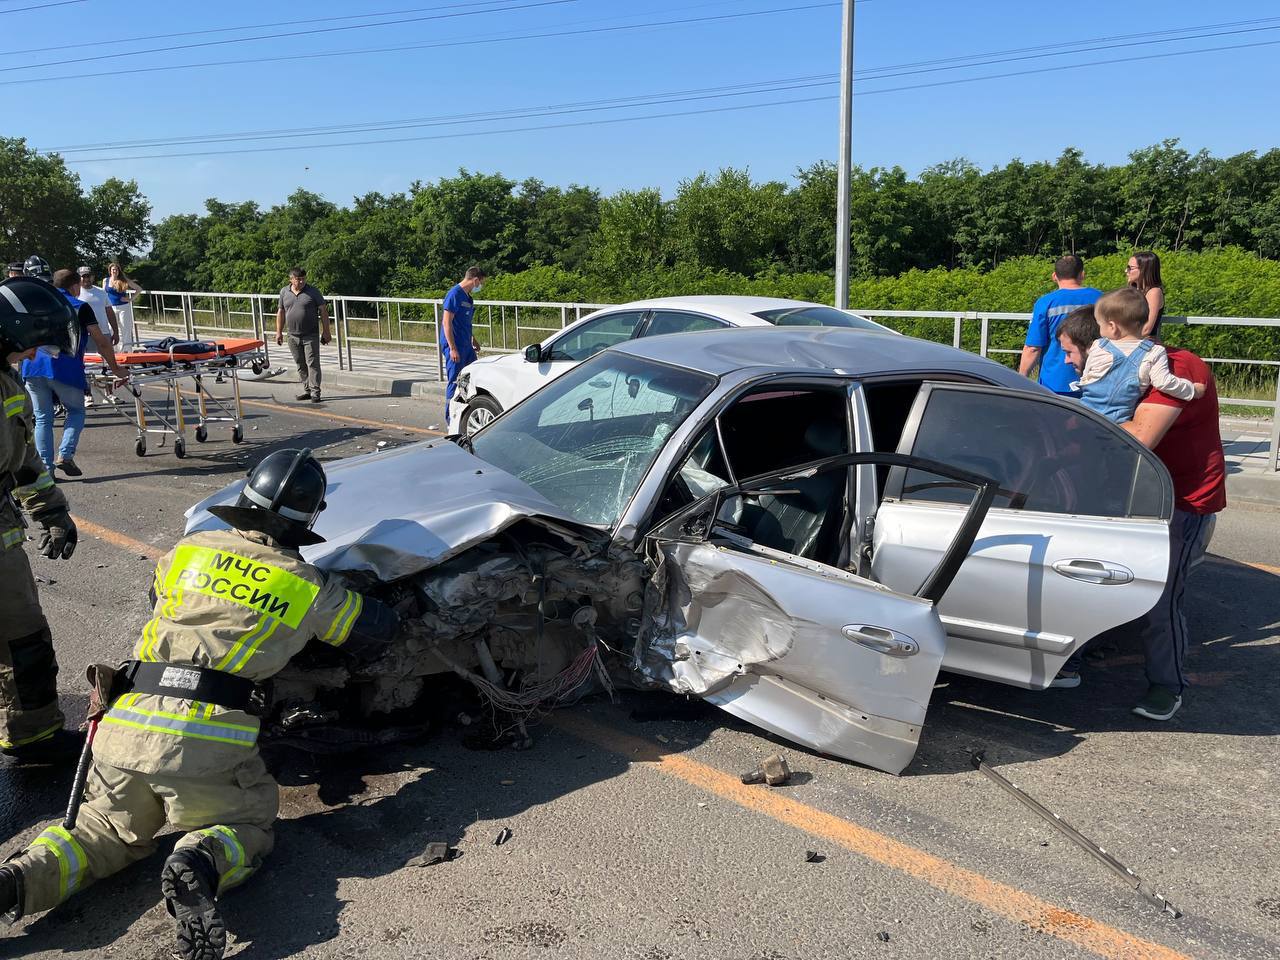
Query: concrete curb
377 383
1253 488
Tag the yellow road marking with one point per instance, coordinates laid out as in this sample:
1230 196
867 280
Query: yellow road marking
1009 902
118 539
304 412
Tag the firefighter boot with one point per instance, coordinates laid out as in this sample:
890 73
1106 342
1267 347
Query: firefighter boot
10 894
189 883
56 748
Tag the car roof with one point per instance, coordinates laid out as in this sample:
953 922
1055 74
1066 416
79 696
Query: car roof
740 310
840 350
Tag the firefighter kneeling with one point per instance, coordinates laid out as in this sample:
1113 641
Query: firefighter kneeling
178 743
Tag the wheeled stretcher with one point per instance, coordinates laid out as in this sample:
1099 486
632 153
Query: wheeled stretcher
167 364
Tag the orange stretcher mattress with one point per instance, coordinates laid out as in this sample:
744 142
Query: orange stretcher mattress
138 358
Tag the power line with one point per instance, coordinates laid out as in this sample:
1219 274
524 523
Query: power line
252 26
684 113
469 12
763 86
743 89
43 6
460 42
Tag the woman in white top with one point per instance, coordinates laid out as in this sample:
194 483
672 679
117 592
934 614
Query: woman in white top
120 290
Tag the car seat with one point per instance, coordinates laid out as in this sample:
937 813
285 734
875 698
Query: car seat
806 523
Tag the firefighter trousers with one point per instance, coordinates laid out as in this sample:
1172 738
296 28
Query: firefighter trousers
229 815
28 670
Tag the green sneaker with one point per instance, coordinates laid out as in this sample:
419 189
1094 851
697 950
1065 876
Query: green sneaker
1160 703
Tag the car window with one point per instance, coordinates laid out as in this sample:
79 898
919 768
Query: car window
1045 456
587 439
592 336
675 321
766 429
816 316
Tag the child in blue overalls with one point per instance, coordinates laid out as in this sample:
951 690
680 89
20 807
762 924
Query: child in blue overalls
1117 368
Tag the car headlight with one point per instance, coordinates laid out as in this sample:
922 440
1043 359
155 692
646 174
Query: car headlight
463 389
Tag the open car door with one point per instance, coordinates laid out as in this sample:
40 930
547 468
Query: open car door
815 654
1076 542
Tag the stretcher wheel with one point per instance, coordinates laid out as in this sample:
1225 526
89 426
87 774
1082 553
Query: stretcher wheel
237 435
140 446
256 368
201 434
179 448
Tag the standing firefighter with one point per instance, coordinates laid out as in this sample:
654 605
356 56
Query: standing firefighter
32 314
179 742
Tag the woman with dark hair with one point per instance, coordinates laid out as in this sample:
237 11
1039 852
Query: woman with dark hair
1143 274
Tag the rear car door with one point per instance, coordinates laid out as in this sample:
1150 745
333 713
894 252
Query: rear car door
662 322
796 646
1076 543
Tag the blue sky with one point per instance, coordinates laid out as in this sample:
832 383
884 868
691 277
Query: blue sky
1218 100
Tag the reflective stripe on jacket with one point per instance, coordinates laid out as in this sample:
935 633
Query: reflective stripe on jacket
21 469
230 601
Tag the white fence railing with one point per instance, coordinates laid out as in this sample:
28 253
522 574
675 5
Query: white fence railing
412 324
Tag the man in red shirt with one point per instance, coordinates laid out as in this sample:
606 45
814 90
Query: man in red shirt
1184 434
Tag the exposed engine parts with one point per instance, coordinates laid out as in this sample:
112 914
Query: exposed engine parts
530 619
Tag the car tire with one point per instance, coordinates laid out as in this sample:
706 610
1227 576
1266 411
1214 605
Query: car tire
479 412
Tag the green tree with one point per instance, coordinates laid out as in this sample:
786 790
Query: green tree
726 222
42 208
458 221
633 233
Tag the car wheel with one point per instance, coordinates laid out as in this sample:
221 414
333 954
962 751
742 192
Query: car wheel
479 413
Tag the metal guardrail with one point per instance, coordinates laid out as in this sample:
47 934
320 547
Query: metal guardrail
410 323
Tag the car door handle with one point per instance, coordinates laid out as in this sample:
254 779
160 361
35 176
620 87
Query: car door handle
1094 571
881 640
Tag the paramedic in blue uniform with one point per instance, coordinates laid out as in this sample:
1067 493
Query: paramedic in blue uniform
457 346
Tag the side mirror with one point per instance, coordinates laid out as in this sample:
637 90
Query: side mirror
533 353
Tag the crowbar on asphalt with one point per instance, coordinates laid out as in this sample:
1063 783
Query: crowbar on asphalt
1135 882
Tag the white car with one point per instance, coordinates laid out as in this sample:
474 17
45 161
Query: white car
493 384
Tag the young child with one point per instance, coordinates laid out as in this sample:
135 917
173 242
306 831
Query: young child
1118 366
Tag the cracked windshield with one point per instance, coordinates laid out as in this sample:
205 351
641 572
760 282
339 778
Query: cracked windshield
586 441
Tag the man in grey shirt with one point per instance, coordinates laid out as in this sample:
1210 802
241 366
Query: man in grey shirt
305 315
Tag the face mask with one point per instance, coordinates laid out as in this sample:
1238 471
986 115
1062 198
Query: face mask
477 288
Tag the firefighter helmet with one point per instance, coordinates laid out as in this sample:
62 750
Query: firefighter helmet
282 497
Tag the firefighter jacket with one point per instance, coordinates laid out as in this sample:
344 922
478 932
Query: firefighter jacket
231 601
24 481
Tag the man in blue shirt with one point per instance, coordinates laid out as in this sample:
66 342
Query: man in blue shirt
1042 336
61 378
457 345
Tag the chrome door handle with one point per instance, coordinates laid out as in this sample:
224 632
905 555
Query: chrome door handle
889 642
1094 571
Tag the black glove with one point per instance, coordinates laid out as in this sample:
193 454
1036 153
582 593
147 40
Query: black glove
60 536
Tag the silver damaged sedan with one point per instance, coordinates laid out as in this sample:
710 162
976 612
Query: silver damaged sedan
801 526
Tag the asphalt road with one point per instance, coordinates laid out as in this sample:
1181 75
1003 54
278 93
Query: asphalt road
631 837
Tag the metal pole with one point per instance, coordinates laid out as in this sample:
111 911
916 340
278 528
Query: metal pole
845 161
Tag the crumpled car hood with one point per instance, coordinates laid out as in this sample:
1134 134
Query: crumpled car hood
398 512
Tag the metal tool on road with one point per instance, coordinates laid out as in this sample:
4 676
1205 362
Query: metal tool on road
1135 882
82 775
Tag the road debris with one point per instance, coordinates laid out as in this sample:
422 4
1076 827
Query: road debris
1135 882
506 783
883 936
813 856
503 836
773 770
437 851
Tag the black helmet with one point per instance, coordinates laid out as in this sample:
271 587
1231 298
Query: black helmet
34 313
37 266
282 498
